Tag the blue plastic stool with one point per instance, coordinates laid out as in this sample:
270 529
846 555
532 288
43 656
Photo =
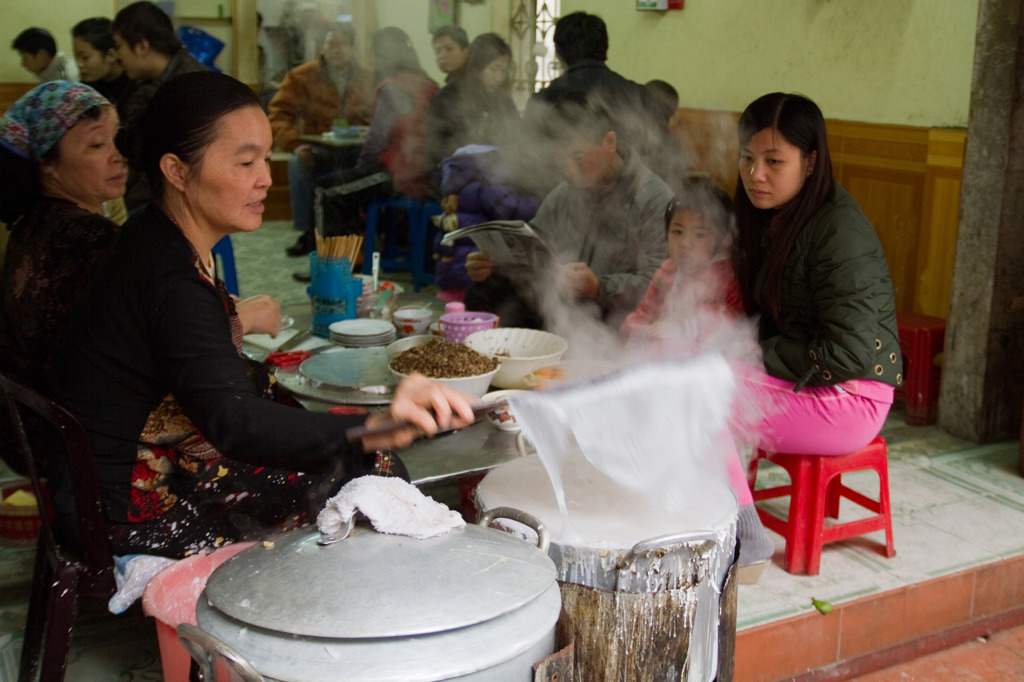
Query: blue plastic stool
226 268
414 259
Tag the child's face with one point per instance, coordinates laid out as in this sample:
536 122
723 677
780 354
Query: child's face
692 243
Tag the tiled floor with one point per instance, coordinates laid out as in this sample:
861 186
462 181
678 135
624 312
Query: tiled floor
996 658
959 534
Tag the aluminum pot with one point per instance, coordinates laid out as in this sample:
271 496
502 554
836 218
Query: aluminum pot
642 608
474 604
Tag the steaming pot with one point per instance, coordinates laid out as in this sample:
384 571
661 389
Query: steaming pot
476 603
645 589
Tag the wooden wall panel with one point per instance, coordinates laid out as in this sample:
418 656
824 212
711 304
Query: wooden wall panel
10 92
892 204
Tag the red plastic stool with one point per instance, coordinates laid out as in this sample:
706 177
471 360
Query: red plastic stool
814 490
921 339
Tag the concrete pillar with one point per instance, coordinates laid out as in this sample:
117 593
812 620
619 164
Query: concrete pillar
983 371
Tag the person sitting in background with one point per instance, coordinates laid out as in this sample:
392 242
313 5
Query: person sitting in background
476 107
478 187
59 164
581 44
605 224
151 55
695 288
190 452
450 45
666 99
40 56
671 157
96 58
266 86
394 156
310 99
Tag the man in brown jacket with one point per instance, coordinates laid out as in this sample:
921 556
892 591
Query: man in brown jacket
312 97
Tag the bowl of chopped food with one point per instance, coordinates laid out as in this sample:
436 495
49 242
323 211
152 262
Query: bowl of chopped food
460 367
520 351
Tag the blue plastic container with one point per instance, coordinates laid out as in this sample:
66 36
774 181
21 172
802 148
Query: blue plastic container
333 292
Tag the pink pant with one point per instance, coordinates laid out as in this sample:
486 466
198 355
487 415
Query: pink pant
823 420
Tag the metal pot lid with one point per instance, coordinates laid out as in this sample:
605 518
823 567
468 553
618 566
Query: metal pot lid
376 585
437 656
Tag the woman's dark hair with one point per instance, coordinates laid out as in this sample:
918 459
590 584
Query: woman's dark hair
581 36
484 49
145 21
456 33
182 120
393 53
707 200
33 40
96 32
800 122
20 185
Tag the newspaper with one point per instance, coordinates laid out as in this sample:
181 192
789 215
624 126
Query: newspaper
511 244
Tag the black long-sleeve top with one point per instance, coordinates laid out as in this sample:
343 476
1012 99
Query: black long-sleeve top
152 333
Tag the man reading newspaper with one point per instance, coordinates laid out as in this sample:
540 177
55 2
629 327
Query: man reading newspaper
604 227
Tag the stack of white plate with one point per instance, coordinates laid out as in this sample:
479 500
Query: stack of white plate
360 333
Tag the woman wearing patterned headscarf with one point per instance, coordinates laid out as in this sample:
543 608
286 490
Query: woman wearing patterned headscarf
58 164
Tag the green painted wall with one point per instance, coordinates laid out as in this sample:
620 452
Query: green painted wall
55 17
880 61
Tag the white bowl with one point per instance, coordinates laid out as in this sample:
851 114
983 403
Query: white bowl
398 347
412 321
502 417
519 350
475 385
563 373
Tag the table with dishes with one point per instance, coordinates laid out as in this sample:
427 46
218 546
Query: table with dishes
351 370
339 137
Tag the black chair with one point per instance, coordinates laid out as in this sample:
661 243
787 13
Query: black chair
62 574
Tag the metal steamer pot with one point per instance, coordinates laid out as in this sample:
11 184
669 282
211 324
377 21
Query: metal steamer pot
476 604
659 607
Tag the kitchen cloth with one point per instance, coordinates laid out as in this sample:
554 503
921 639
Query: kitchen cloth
392 505
132 572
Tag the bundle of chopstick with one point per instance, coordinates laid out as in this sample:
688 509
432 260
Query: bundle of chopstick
348 246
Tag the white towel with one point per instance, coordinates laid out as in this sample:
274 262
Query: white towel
392 506
132 573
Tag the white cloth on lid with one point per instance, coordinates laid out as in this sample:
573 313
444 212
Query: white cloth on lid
652 428
392 506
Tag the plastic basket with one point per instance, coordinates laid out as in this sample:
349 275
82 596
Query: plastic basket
19 522
457 326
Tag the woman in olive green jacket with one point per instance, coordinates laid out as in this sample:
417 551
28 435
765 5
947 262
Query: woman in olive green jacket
812 269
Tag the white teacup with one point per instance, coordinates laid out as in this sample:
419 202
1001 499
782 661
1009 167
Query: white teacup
410 321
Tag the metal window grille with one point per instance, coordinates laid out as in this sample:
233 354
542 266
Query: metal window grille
531 32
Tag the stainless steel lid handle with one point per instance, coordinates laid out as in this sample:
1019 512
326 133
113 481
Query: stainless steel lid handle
213 655
522 517
663 541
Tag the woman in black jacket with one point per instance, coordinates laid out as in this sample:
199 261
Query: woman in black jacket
812 268
476 107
